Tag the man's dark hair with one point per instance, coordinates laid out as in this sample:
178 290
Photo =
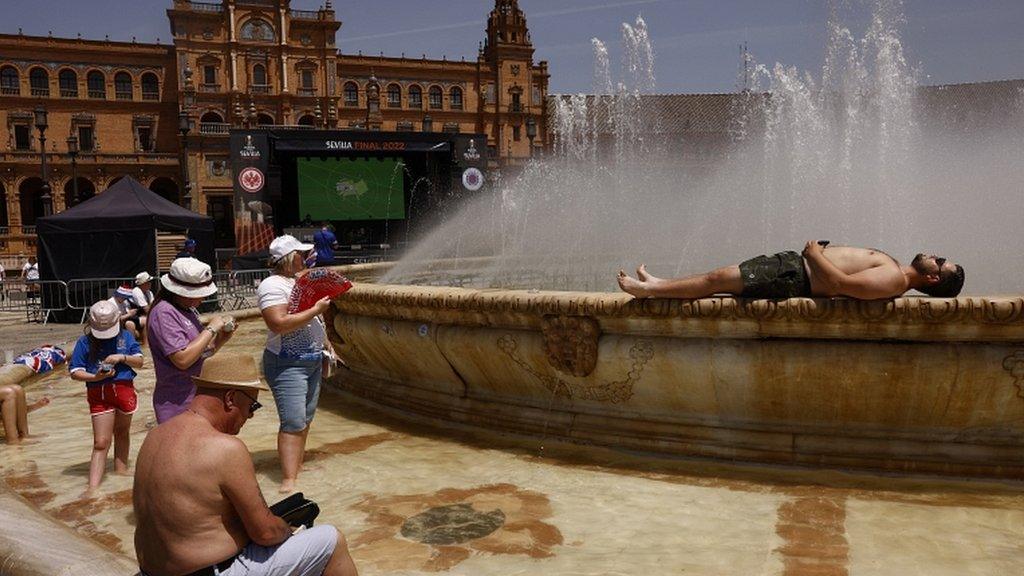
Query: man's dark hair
949 285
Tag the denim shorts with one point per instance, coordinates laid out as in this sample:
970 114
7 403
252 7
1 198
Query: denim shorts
295 385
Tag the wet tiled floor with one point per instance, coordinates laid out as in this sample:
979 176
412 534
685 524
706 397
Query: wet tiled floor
416 500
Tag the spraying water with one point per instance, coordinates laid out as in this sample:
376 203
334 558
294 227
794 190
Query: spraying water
851 155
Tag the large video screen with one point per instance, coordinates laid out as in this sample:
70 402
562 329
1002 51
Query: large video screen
351 189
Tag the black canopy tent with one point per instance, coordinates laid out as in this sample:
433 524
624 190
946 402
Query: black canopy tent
113 234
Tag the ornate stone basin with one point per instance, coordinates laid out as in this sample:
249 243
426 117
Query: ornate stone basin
912 385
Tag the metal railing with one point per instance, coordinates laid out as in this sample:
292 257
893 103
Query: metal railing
37 299
28 230
10 90
209 87
236 289
214 128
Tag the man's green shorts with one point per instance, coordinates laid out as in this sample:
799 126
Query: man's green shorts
780 275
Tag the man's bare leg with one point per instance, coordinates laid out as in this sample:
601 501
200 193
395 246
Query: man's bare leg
341 563
720 281
9 414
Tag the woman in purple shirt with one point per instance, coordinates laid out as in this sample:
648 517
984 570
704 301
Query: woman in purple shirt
177 339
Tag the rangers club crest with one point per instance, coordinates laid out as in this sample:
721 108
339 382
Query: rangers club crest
251 180
472 179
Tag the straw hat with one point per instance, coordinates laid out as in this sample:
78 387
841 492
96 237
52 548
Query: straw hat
190 278
104 320
230 371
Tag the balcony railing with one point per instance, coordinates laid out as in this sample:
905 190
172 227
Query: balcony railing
4 230
40 91
123 95
150 96
206 7
307 91
214 128
303 14
28 229
69 92
351 103
260 89
98 94
515 107
209 87
10 90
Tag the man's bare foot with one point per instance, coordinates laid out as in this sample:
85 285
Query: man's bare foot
44 401
89 494
287 486
641 273
631 286
128 472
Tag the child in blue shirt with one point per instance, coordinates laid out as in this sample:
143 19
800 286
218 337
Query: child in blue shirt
105 358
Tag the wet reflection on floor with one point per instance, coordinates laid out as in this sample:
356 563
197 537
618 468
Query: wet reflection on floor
417 500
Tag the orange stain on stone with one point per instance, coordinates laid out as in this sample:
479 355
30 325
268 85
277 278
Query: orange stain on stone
524 531
30 485
350 445
813 530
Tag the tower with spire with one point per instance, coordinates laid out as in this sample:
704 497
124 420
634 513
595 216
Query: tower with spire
514 95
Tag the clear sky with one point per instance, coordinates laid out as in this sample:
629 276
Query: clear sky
695 41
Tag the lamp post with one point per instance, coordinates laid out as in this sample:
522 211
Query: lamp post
41 125
184 127
73 154
428 123
531 132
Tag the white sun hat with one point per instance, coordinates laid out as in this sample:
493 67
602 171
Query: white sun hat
104 320
190 278
285 245
142 277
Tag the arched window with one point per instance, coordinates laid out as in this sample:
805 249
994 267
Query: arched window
415 97
257 30
150 86
435 97
455 98
68 81
211 117
123 86
394 96
9 81
351 94
39 81
259 78
307 120
264 120
97 84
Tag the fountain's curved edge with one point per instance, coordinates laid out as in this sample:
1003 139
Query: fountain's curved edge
911 385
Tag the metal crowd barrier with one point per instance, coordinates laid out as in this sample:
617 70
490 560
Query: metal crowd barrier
236 289
38 299
41 301
83 293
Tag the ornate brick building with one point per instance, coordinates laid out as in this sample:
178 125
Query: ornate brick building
140 109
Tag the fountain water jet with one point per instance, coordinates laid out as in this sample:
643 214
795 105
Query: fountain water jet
909 385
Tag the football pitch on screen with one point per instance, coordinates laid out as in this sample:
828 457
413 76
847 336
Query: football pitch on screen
359 189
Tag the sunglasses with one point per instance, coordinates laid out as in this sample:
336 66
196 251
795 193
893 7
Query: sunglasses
254 406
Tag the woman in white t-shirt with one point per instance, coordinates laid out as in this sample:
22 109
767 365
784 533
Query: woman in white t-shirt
293 358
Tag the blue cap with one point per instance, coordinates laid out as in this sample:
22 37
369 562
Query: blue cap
190 243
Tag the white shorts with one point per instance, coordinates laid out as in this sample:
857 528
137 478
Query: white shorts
304 554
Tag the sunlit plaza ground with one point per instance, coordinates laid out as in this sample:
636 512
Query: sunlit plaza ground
533 507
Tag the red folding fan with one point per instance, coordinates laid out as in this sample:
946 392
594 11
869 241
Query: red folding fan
314 285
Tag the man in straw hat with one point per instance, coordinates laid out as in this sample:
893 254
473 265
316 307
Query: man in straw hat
198 508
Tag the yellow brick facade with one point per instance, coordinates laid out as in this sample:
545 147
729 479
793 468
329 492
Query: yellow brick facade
232 64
